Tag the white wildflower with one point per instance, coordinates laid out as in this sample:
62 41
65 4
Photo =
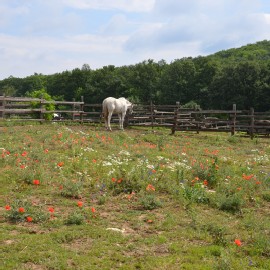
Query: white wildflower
106 163
125 153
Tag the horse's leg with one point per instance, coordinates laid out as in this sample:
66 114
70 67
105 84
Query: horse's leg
109 121
106 120
122 120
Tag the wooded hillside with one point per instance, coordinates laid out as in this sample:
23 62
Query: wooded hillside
238 75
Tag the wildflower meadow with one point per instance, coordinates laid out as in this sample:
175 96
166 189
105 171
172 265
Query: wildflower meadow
79 197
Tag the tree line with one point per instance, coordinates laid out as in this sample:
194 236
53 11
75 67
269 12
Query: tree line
240 76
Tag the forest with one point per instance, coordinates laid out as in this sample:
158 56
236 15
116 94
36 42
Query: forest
238 75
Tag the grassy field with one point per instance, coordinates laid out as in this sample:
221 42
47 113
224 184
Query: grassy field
77 197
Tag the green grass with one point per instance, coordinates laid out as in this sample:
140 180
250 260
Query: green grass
138 199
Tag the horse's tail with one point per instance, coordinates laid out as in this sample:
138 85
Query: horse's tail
104 109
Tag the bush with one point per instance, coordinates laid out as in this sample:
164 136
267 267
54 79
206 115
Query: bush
150 202
21 211
195 193
231 203
42 94
266 196
72 189
217 233
76 218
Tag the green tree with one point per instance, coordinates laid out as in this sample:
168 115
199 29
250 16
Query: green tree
7 90
145 80
237 83
42 94
177 81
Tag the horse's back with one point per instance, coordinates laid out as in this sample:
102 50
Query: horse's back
111 104
107 104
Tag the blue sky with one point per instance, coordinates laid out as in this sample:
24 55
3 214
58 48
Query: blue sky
49 36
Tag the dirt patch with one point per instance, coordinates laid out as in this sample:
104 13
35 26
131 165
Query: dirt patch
161 250
79 245
33 266
9 242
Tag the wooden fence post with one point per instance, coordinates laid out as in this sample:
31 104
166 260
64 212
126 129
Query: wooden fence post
233 120
81 109
73 109
175 120
251 130
3 106
42 109
152 114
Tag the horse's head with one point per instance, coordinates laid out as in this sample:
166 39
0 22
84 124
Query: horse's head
129 107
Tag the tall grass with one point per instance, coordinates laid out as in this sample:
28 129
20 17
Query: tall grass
77 197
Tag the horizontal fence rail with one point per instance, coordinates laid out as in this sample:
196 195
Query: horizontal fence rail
174 117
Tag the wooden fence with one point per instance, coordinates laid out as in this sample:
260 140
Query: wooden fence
174 117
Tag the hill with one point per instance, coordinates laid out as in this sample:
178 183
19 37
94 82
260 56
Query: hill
259 51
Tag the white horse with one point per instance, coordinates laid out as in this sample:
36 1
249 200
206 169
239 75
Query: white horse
112 105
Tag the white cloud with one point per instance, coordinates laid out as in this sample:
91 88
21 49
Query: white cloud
8 13
55 35
49 55
129 6
215 25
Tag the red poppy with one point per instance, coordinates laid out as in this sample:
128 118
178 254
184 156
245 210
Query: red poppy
150 188
94 160
24 153
60 164
51 209
119 180
8 207
237 242
21 210
29 219
114 179
205 182
46 150
131 195
36 182
247 177
93 209
80 203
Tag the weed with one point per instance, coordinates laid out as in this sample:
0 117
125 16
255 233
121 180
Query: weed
75 218
23 211
233 139
195 193
218 234
150 202
266 195
71 188
231 203
207 172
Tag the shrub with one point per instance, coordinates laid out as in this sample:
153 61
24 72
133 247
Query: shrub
75 218
207 172
195 193
42 94
231 203
217 233
150 202
71 188
21 211
266 196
